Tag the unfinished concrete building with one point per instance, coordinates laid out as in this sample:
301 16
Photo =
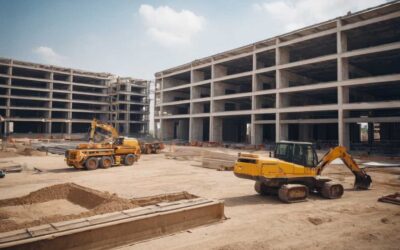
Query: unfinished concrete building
336 82
54 101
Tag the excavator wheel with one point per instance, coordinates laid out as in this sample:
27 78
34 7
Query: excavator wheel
129 159
106 162
92 163
290 193
332 190
261 188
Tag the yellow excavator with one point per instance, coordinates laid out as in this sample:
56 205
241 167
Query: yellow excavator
115 151
295 171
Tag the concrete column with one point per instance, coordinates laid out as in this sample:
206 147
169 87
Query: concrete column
167 129
160 134
343 69
196 132
126 120
8 100
49 115
343 92
191 95
258 132
191 130
183 129
341 42
282 55
218 71
197 76
212 102
211 132
219 88
161 96
218 106
216 129
69 124
281 130
344 130
9 82
282 80
254 133
48 128
341 38
69 128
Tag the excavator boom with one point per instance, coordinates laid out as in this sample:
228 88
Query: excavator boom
362 179
104 126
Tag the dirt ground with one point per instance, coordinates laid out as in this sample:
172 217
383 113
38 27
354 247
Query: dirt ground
356 221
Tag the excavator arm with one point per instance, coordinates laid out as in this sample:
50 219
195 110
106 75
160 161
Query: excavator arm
362 179
104 126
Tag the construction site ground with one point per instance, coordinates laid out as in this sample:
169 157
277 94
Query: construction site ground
356 221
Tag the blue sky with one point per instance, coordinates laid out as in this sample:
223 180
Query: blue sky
138 38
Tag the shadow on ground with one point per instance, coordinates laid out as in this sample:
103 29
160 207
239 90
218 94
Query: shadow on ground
250 200
60 170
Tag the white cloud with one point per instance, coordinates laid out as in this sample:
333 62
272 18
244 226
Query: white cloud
294 14
169 27
48 55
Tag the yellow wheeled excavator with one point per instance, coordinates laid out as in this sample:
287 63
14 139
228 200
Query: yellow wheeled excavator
295 171
115 151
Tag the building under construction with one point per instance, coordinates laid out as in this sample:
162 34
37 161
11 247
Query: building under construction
336 82
54 101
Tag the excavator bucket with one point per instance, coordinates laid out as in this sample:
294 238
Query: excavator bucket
362 181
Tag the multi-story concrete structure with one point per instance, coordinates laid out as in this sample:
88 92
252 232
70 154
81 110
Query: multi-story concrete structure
321 83
45 99
130 105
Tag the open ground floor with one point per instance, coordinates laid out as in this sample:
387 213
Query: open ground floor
374 131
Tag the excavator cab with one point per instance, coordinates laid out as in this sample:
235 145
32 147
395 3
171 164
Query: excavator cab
301 153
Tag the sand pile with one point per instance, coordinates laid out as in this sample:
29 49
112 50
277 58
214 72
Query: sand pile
66 202
94 201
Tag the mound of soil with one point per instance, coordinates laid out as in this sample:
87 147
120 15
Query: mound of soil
94 201
67 202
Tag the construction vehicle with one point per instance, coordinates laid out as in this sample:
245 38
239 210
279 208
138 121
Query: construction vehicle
115 151
295 171
151 147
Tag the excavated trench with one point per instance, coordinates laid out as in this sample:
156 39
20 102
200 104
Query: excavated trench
67 202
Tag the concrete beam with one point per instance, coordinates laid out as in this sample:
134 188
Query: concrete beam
309 37
308 61
370 21
371 50
392 119
371 105
310 121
